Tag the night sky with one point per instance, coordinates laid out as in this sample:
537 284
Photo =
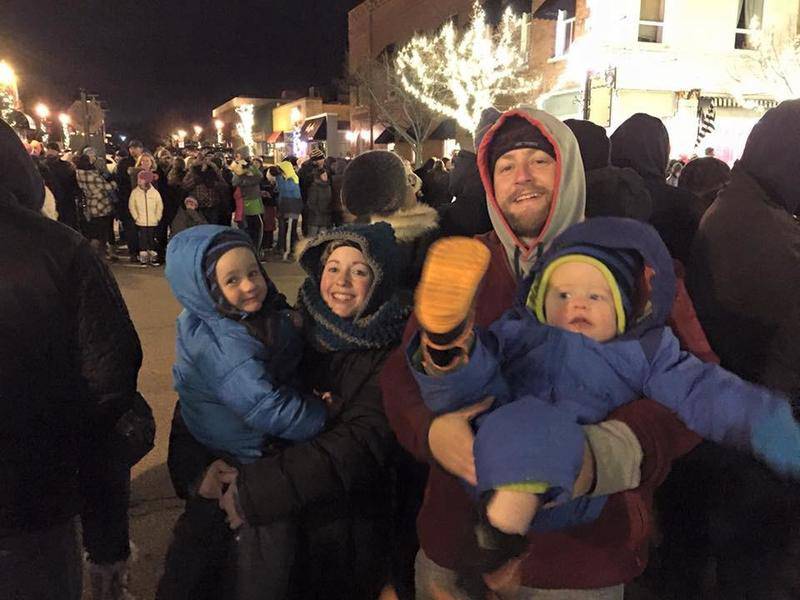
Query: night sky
158 65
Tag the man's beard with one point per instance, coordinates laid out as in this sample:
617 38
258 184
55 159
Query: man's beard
522 228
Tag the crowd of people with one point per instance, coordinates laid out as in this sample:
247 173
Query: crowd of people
559 367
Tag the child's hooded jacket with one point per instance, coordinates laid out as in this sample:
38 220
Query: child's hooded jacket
233 389
557 378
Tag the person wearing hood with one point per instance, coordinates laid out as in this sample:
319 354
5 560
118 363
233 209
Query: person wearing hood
610 191
467 214
305 179
238 350
436 186
290 207
642 143
745 268
581 306
533 176
335 490
71 357
705 177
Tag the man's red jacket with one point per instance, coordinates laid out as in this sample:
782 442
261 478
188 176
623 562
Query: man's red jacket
608 551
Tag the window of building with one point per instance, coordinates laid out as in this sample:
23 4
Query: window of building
748 22
651 21
565 33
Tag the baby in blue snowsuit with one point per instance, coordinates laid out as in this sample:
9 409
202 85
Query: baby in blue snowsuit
586 336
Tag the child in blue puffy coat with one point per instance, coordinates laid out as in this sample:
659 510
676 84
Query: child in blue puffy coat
236 357
587 335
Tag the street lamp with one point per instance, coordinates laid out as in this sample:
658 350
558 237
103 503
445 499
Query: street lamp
219 125
65 120
181 138
42 111
197 131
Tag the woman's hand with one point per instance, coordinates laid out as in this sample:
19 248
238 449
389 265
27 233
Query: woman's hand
450 439
214 480
229 503
333 404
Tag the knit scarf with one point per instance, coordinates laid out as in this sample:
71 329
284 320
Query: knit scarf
331 333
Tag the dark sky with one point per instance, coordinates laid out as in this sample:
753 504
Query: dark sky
172 60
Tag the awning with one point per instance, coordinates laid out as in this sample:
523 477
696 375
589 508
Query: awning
446 130
387 136
549 9
314 130
275 137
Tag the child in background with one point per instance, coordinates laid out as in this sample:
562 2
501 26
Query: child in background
146 207
187 216
586 336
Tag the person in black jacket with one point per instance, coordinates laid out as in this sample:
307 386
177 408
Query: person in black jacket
330 499
610 191
467 215
642 143
69 359
65 186
124 188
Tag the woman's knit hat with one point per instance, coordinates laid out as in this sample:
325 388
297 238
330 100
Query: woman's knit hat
374 182
620 269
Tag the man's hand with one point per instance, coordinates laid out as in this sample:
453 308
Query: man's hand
212 485
228 503
450 439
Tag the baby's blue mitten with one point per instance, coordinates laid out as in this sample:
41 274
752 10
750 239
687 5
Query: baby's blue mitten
776 439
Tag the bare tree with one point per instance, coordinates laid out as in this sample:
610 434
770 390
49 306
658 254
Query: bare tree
394 106
459 73
773 64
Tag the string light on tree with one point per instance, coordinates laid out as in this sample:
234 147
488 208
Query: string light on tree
245 125
460 73
64 120
8 90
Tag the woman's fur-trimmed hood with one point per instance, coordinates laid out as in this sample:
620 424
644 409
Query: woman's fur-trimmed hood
410 223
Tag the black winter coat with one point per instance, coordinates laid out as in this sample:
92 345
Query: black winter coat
69 359
65 189
319 205
467 215
642 143
337 488
743 281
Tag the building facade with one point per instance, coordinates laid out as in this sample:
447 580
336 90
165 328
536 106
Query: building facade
373 27
678 60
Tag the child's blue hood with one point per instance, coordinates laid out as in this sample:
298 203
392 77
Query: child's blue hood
620 234
184 270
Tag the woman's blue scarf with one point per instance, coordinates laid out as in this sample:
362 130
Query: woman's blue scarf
331 333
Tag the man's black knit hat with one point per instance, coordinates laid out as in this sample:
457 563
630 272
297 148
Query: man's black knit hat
516 133
374 182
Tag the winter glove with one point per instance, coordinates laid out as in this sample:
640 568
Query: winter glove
488 549
453 270
776 439
109 581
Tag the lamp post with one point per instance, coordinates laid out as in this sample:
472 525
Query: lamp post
181 138
219 126
197 131
43 112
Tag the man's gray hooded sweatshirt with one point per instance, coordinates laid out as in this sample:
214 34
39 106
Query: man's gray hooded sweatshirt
569 191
